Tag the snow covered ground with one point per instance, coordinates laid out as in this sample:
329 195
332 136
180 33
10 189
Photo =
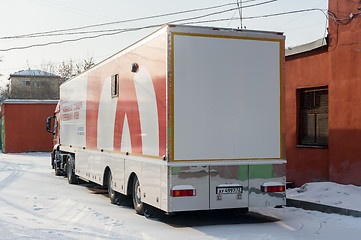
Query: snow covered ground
35 204
328 193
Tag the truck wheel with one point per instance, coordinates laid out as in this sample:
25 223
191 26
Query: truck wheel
115 197
72 178
57 170
151 212
137 197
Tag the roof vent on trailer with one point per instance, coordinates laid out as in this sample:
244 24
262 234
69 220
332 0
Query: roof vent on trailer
135 67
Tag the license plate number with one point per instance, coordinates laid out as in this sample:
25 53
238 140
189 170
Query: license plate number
229 190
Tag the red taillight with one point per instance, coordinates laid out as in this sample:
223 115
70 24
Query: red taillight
183 192
280 188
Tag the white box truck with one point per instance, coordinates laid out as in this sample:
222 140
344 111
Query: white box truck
188 118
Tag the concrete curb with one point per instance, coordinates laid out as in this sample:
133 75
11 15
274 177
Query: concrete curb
321 207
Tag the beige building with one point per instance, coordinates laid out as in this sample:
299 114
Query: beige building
34 84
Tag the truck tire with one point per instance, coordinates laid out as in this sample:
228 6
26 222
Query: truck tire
151 212
114 196
72 178
137 197
57 170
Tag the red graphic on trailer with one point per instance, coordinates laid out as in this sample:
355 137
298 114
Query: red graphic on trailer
150 55
128 104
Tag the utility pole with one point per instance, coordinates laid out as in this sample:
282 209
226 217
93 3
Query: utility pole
239 3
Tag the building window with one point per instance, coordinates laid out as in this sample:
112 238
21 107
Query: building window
313 117
115 86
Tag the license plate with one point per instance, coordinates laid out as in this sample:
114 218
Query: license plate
229 190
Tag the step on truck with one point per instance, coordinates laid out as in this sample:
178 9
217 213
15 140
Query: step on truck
188 118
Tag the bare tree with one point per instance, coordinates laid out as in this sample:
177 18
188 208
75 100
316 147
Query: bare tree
4 88
49 67
83 66
68 68
88 64
1 61
4 92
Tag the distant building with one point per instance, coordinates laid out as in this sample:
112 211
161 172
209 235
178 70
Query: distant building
33 95
23 125
34 84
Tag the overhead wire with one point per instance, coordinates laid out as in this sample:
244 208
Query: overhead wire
121 21
77 39
345 20
261 16
327 14
289 12
128 29
55 32
230 19
224 11
284 23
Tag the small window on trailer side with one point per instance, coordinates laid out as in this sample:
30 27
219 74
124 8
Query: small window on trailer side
115 86
313 117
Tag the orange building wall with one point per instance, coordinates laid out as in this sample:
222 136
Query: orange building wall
345 98
306 71
338 67
25 127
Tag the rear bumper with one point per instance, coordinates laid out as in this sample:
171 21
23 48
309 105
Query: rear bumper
226 186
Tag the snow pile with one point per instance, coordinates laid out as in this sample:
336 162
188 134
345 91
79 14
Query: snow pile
328 193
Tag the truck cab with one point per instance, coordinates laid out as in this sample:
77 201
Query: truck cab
53 127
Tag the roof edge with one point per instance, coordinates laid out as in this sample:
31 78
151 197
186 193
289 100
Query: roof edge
33 73
290 51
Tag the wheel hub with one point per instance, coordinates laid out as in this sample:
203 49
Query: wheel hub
138 194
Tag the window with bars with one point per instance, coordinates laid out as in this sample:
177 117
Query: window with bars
313 117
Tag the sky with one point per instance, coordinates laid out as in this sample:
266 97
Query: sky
23 17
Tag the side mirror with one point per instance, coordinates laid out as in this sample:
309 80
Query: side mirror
48 125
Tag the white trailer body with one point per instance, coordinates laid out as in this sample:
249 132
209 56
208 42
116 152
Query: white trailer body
193 113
